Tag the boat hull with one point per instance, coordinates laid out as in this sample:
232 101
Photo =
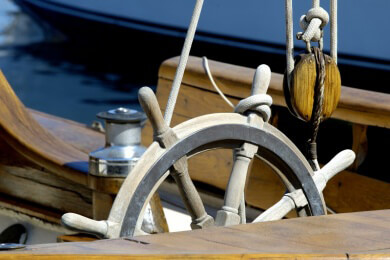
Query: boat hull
250 26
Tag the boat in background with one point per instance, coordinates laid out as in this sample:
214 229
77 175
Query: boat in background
221 23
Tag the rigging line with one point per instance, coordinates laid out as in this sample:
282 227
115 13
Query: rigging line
206 67
183 62
289 38
333 29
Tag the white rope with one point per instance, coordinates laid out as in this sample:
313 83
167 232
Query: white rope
289 39
182 62
333 29
206 67
312 24
259 103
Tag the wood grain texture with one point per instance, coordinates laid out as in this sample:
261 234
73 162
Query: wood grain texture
334 236
76 134
187 256
30 209
302 87
41 188
44 159
355 105
76 238
102 203
22 132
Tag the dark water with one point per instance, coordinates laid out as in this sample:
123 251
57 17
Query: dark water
62 78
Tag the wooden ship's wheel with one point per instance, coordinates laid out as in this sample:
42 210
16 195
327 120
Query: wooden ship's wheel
248 134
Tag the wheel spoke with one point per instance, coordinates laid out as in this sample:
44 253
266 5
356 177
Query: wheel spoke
277 211
288 202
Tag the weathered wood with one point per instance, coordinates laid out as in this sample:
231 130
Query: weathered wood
167 137
30 209
53 194
297 199
232 212
334 236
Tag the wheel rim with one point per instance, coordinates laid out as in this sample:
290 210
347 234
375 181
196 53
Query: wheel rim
272 148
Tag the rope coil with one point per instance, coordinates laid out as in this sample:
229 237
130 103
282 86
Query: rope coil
259 103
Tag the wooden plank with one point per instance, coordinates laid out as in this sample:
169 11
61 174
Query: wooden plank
24 134
182 256
102 203
74 133
335 236
76 238
65 199
30 209
351 192
356 105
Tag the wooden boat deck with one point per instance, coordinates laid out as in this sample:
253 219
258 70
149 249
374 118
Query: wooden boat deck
342 236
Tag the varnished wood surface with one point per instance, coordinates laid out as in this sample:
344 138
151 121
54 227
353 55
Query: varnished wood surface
44 161
24 134
356 105
36 191
71 132
302 88
334 236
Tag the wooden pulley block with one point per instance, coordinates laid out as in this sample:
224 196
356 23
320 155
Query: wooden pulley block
299 94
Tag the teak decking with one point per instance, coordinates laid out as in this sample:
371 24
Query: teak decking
343 236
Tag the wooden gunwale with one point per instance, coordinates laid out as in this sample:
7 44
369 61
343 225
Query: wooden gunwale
355 105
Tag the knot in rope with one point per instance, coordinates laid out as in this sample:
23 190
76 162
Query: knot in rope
320 13
312 24
259 104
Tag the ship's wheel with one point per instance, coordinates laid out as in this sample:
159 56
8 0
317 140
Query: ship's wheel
248 134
